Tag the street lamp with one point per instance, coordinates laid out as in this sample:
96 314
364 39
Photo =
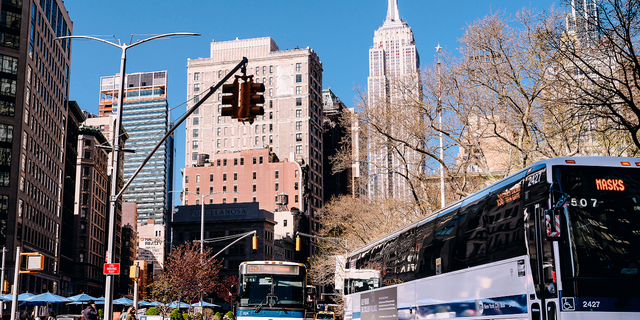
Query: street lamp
117 148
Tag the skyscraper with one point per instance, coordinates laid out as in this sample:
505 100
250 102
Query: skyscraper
33 114
393 57
292 123
145 119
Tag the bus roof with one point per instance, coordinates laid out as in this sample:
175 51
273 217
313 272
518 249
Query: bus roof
287 263
622 162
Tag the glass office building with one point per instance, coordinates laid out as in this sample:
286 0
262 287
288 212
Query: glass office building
145 120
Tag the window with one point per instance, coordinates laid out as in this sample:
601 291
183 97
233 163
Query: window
224 177
296 198
197 190
285 222
298 66
264 69
264 128
196 121
224 188
219 73
298 113
197 178
196 87
211 178
298 90
195 133
298 102
255 188
235 188
298 78
260 159
295 186
254 175
235 200
235 162
211 190
270 92
224 200
235 176
298 149
257 129
277 186
298 137
254 160
254 199
242 161
194 144
186 179
277 174
196 76
270 69
9 64
298 125
270 116
218 145
270 81
224 162
295 173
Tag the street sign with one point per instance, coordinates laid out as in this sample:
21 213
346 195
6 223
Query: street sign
112 268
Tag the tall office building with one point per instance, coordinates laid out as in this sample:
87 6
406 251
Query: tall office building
34 77
145 118
393 57
292 123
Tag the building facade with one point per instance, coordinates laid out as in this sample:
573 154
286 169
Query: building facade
145 117
333 136
151 245
246 176
393 58
67 236
34 81
292 124
91 211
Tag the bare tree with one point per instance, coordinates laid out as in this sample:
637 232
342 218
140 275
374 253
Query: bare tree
599 68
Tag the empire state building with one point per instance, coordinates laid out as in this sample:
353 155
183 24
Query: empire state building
393 58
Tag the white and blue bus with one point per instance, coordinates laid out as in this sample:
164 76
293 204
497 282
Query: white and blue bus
272 290
557 240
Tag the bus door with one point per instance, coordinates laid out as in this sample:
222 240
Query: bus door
544 302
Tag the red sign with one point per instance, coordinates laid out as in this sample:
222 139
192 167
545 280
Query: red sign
112 268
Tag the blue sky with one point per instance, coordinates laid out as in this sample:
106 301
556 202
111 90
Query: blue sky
341 32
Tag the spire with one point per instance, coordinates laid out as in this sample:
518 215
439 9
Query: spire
392 12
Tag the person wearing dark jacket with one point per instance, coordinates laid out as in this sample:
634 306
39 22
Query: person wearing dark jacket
90 313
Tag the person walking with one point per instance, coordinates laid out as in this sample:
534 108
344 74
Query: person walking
90 313
131 313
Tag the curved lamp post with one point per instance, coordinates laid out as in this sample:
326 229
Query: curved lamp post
117 148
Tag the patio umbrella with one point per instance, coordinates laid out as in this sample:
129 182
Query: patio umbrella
178 305
204 304
143 303
83 297
47 297
21 297
123 302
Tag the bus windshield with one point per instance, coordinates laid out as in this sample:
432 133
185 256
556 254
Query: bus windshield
287 289
602 216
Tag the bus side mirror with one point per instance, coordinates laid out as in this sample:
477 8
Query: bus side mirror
552 222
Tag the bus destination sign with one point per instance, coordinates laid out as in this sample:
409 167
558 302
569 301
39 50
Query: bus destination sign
271 269
610 184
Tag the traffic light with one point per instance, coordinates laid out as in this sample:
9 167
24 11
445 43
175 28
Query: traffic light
298 243
134 272
256 96
250 97
5 286
230 97
254 243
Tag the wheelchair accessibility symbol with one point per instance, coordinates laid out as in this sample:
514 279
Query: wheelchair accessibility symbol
568 304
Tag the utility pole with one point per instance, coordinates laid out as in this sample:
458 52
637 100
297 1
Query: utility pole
442 200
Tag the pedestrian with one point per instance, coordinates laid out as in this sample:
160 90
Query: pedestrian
90 313
131 313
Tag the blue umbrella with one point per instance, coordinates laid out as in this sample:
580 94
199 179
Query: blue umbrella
83 297
47 297
143 303
123 302
204 304
178 305
21 297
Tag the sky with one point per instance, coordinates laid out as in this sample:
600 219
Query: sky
339 31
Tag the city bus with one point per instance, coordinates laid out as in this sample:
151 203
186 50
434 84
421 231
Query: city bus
271 290
557 240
